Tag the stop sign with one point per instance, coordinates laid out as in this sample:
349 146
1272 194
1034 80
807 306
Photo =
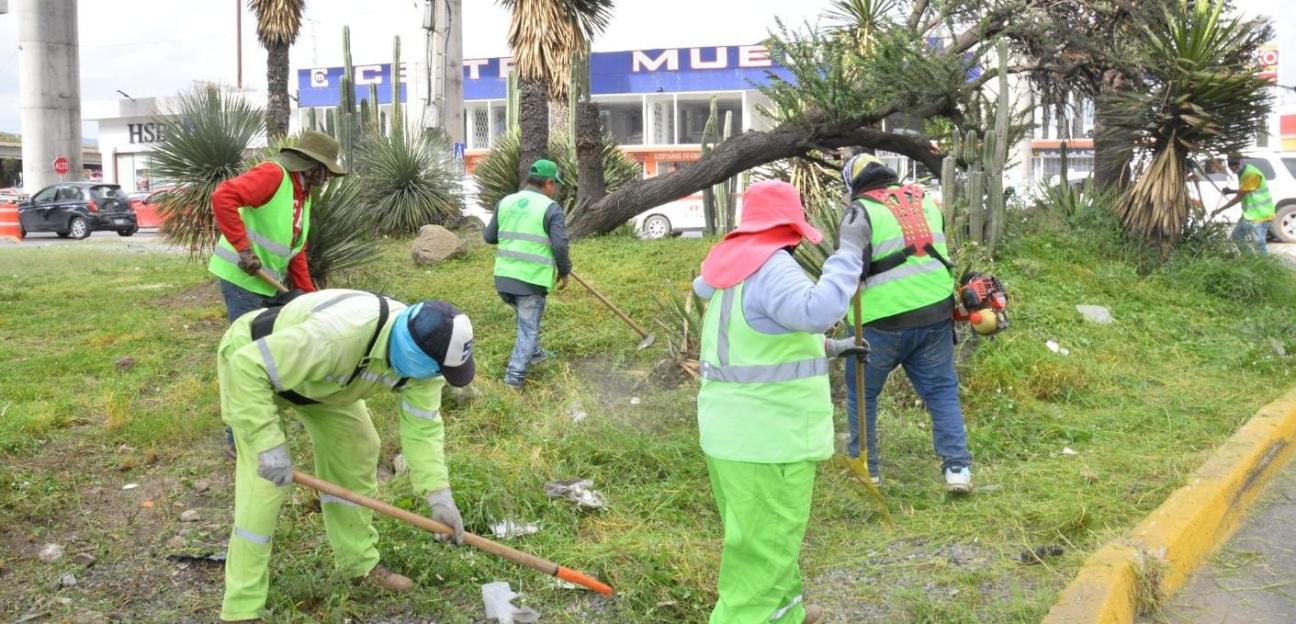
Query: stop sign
62 166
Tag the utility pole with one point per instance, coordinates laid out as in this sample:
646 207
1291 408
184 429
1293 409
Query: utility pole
443 20
238 39
49 88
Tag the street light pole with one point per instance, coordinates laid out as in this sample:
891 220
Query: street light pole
238 43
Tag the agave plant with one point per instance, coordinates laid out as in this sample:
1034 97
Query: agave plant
340 235
497 173
408 181
204 146
1202 95
278 23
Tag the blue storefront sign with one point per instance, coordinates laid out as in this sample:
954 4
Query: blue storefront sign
704 69
319 86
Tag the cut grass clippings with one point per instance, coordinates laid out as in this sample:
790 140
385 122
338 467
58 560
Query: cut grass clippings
1137 403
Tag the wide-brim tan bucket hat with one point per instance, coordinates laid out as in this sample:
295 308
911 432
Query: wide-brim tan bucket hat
318 147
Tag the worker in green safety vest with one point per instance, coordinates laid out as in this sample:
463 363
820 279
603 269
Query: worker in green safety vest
324 353
1252 231
264 217
530 231
765 414
908 308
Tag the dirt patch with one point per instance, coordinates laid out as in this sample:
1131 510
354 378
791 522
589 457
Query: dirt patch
202 295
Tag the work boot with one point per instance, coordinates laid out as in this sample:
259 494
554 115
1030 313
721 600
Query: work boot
814 613
386 580
958 480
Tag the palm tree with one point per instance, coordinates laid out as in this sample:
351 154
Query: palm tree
278 22
1201 95
544 36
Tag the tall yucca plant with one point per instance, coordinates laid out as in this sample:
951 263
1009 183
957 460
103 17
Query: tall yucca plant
1202 94
208 133
278 23
408 181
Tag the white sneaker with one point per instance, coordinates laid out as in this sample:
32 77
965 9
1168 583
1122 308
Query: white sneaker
958 480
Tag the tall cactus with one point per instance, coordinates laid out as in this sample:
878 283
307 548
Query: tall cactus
995 182
718 205
397 123
511 103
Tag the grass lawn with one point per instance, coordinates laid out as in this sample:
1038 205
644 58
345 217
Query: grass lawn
1069 450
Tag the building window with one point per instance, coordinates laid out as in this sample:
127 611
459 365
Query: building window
478 127
1047 164
663 120
693 115
500 113
624 120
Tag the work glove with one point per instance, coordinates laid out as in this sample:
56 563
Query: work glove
249 262
846 347
445 512
854 232
275 465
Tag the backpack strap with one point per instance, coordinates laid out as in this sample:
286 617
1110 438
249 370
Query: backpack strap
373 340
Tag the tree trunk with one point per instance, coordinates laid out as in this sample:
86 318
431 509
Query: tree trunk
739 153
559 118
1111 168
533 110
277 109
591 187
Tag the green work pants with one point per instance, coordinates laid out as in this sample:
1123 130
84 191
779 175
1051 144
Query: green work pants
346 453
765 508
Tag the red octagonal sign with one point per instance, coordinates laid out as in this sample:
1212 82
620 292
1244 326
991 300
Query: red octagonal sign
62 166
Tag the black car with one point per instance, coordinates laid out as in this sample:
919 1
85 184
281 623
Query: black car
76 209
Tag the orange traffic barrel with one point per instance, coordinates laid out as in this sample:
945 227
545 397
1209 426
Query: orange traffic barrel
9 226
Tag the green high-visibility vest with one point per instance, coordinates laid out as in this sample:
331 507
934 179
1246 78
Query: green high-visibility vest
764 397
919 281
270 233
1258 205
523 252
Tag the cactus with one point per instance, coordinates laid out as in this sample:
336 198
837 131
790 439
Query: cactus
995 186
984 159
397 123
312 119
511 103
949 188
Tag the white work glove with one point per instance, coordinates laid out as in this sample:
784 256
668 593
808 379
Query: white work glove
854 232
446 512
275 465
846 347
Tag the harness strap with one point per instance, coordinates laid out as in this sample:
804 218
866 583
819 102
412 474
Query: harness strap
905 204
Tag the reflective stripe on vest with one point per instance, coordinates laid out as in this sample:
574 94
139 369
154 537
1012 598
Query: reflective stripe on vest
1257 205
269 229
524 252
754 373
919 281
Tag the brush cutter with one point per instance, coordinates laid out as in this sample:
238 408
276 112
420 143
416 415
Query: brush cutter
859 465
476 541
648 338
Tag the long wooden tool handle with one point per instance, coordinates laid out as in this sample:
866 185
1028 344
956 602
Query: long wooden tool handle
432 526
859 381
642 332
269 279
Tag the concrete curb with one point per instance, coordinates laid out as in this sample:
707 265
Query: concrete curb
1164 549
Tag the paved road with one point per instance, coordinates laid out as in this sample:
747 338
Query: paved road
1252 580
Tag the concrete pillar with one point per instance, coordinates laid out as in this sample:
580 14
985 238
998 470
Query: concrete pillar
445 62
49 87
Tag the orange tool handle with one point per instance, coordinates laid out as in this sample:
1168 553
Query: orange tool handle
269 279
474 540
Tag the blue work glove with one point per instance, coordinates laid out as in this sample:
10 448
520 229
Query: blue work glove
275 465
446 512
846 347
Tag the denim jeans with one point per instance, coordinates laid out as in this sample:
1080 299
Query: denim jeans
239 301
1250 236
527 346
927 355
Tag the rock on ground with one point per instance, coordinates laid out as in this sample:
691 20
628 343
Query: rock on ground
84 559
189 515
51 553
436 244
1096 314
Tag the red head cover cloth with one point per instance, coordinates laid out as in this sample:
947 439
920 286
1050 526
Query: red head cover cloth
772 218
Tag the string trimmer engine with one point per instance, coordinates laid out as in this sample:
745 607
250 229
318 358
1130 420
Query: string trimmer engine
983 303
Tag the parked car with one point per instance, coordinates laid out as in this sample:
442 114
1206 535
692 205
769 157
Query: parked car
1279 169
145 205
671 219
75 209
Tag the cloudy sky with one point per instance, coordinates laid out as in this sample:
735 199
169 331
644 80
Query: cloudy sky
159 47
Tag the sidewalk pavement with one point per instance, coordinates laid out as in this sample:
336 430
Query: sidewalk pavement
1252 579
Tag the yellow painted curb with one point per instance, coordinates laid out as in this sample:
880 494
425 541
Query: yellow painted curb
1178 536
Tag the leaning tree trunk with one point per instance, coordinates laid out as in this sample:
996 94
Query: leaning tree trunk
591 186
277 109
533 109
1111 168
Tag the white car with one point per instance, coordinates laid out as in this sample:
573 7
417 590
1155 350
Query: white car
1279 169
670 219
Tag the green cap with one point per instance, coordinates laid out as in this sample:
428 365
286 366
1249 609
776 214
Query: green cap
545 168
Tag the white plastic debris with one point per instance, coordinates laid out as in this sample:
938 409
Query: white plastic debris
1096 314
634 400
399 464
576 412
1069 451
130 486
1057 348
578 491
498 600
511 528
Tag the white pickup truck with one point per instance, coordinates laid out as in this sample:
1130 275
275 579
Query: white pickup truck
1279 169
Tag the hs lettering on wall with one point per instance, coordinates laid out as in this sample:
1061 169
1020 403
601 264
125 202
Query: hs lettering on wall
146 132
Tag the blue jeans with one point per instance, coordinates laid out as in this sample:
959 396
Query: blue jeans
239 301
927 355
1250 236
527 346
